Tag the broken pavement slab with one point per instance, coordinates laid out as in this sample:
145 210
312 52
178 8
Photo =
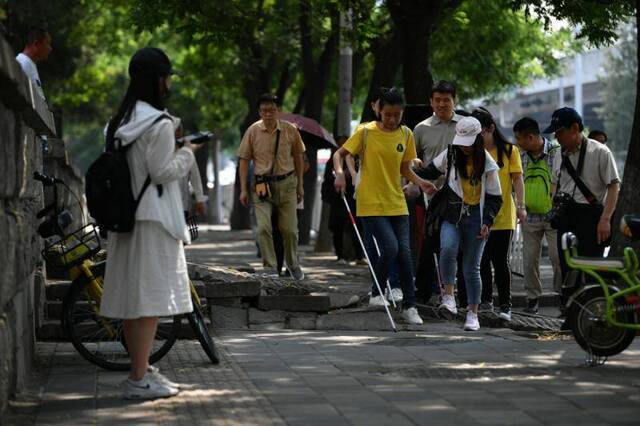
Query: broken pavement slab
367 319
340 300
295 303
227 317
233 289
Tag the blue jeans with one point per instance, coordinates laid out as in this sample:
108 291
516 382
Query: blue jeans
370 246
392 234
466 233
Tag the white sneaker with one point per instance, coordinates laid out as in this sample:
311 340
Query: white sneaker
396 295
155 371
471 323
148 388
449 303
377 301
505 314
412 316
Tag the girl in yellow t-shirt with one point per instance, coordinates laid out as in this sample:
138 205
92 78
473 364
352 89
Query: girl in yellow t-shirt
496 252
387 150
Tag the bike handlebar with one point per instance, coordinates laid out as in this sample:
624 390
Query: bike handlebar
46 180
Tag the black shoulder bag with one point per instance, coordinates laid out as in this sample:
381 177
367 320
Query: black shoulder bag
438 204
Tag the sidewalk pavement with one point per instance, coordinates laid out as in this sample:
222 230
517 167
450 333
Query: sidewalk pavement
440 376
218 246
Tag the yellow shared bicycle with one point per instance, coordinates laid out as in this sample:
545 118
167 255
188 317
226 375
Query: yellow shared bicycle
98 339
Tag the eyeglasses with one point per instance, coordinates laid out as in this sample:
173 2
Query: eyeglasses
268 110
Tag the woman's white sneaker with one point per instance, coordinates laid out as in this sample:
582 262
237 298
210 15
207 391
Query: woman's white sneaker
377 301
472 323
396 295
449 303
149 387
155 371
411 316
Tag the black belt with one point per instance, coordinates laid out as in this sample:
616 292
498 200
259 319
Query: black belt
277 178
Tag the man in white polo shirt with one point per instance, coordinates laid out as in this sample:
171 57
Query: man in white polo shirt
586 173
37 49
432 136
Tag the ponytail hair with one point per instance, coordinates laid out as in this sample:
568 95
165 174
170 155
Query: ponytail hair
503 147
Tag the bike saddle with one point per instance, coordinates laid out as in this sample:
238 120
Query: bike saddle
570 242
600 262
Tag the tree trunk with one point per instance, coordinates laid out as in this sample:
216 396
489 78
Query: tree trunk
256 83
310 178
240 215
416 21
629 202
387 57
316 75
343 118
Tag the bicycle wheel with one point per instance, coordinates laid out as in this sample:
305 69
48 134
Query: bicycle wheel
586 318
199 326
100 340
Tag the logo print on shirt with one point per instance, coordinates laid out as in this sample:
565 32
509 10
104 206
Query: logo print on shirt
400 148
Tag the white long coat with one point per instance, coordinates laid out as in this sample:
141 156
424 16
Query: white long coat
146 272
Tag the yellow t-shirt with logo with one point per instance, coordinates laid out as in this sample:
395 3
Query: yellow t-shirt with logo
506 217
470 191
380 191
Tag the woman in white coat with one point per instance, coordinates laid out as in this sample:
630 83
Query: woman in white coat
146 275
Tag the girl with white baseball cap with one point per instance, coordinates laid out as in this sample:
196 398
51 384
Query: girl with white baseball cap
473 198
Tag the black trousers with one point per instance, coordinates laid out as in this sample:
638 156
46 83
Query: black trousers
426 280
278 242
496 254
583 223
345 240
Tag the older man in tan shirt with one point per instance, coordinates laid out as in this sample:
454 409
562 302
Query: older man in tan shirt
277 151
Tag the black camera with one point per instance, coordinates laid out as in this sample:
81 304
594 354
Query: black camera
559 212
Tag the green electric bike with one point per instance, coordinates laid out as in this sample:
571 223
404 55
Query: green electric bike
604 313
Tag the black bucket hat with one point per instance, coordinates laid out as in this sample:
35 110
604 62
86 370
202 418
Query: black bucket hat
150 61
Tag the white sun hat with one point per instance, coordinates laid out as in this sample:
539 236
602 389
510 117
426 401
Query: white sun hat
466 131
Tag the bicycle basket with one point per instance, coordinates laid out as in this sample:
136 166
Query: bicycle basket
73 248
192 224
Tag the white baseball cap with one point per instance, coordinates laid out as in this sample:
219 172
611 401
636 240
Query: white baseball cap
466 131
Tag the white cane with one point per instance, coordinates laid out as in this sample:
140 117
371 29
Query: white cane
438 276
375 278
388 284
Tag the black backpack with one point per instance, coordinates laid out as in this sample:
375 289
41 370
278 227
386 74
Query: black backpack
110 199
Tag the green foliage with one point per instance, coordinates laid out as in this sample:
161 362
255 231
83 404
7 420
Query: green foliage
619 93
224 45
487 48
594 20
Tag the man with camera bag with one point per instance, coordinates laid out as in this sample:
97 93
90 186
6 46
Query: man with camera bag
587 185
277 150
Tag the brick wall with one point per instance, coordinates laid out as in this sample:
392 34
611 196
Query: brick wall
23 116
